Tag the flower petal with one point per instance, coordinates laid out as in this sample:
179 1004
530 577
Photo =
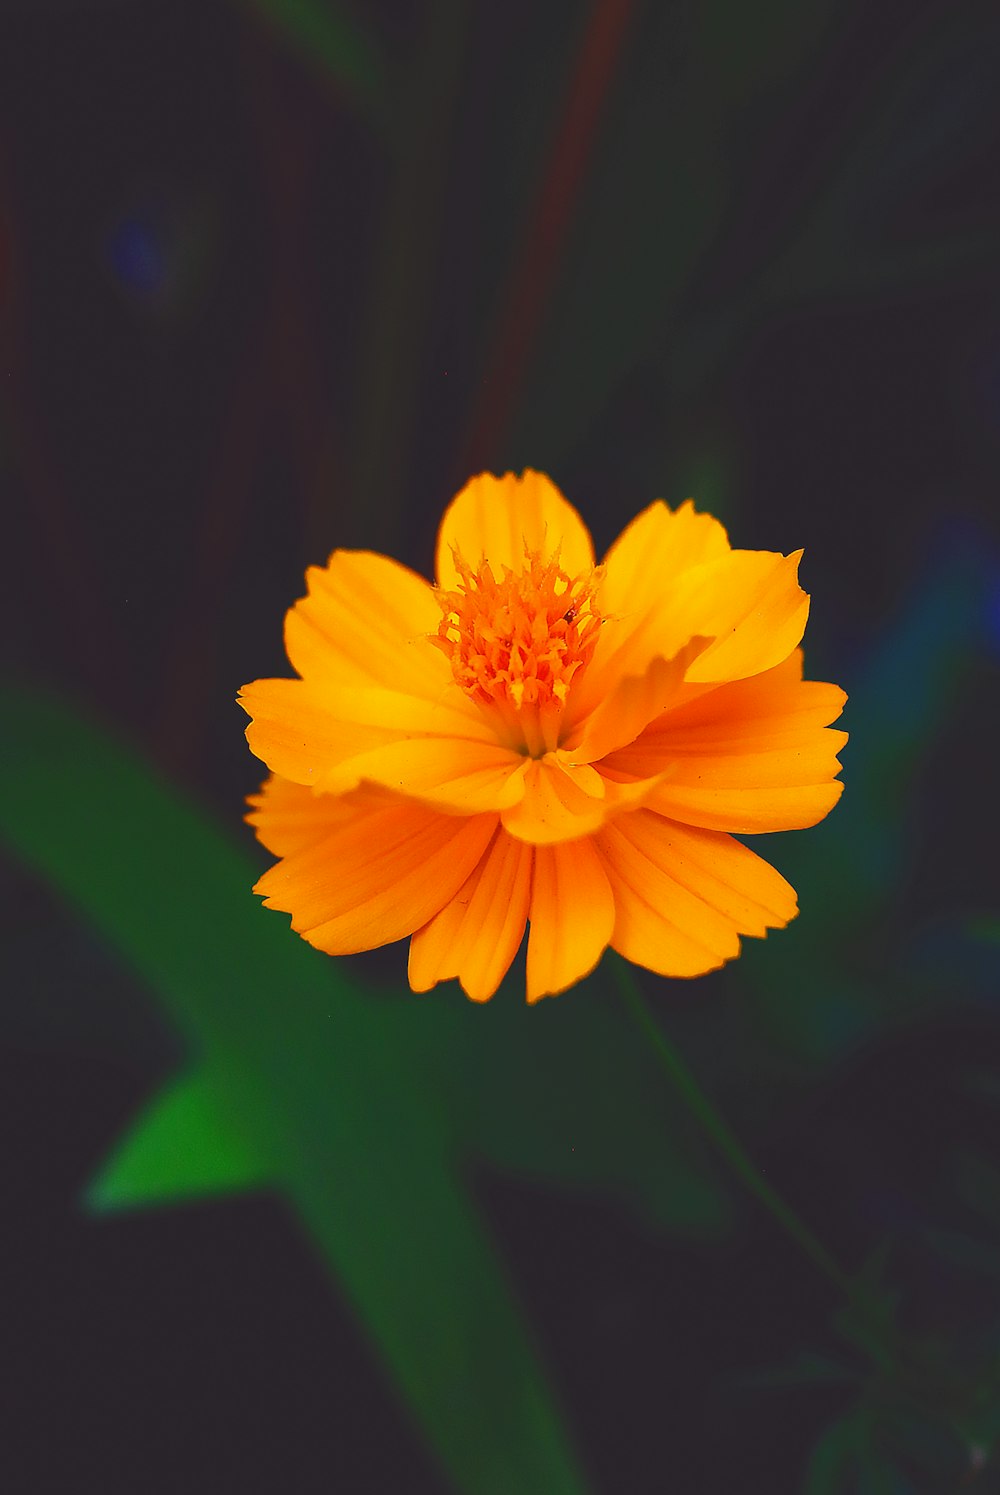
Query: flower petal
563 801
377 876
751 755
630 705
747 602
365 621
757 613
288 817
572 917
476 936
294 732
683 897
658 546
332 738
497 518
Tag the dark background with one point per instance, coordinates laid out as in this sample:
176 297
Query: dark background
255 306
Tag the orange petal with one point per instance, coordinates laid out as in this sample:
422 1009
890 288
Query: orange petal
636 594
747 602
563 801
497 518
651 552
365 621
755 608
630 705
287 817
332 738
553 807
296 734
683 897
572 917
376 877
747 811
752 755
476 936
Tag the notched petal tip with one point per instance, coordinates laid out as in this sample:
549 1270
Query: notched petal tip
500 518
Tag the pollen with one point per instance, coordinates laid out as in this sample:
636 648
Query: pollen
516 642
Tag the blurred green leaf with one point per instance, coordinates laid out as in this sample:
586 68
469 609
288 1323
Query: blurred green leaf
848 1458
328 1084
986 928
332 38
834 1456
183 1145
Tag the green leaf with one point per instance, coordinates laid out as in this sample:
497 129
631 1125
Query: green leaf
183 1145
333 39
332 1086
834 1456
986 927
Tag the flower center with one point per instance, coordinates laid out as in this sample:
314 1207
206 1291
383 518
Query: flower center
515 644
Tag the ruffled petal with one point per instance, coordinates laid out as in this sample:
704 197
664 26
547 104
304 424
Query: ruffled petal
757 613
365 621
563 800
288 817
683 897
572 917
476 935
377 876
294 732
631 704
752 755
333 738
747 602
658 546
497 518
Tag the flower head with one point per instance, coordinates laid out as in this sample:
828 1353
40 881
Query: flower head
542 741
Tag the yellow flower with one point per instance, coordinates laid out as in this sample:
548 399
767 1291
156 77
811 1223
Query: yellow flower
539 739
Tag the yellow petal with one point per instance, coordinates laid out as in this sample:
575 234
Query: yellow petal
295 733
365 621
333 738
658 546
476 936
376 877
458 777
757 613
683 897
751 755
287 817
563 801
572 916
497 518
633 702
747 602
748 811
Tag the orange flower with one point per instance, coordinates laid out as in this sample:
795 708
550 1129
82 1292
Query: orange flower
541 740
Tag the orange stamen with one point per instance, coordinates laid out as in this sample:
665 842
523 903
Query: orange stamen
516 644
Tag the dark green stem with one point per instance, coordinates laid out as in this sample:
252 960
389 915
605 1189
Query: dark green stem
739 1160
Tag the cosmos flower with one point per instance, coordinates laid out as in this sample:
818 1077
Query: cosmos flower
540 740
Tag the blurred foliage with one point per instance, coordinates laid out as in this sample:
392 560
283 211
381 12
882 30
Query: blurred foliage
331 38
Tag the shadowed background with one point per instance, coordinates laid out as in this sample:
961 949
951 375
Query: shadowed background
277 276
